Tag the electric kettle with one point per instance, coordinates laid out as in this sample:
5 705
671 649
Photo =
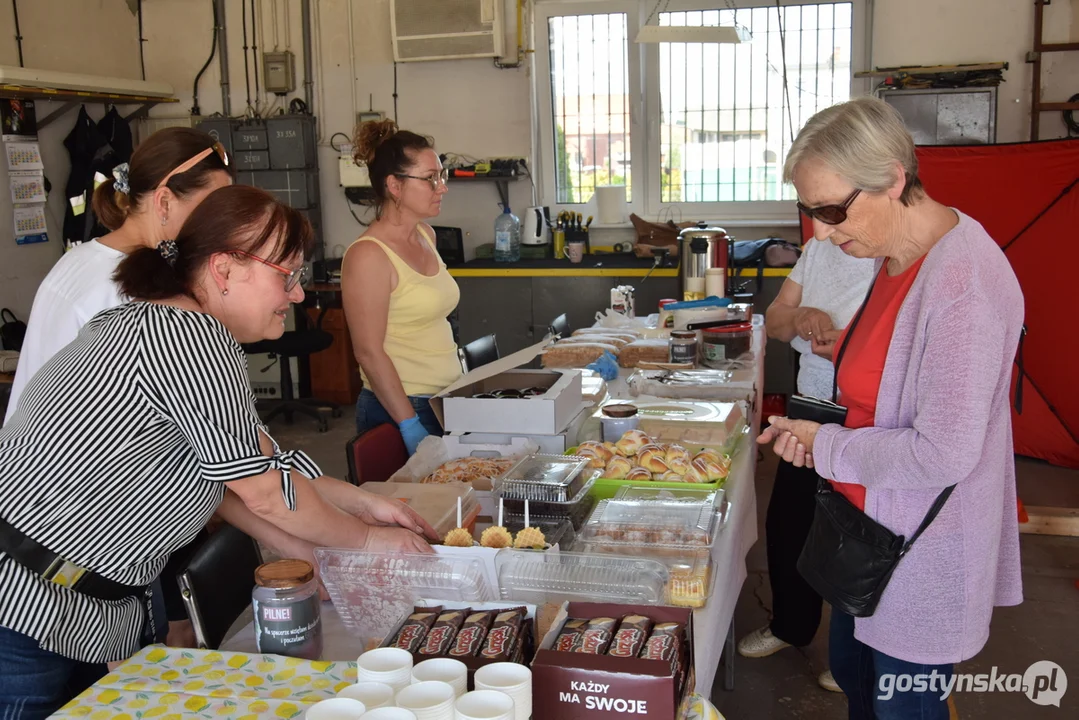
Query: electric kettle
535 226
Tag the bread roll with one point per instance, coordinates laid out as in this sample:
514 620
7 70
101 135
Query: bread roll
677 452
653 463
618 468
631 442
638 473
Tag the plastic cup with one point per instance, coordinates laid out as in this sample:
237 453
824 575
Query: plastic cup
336 709
445 670
484 705
431 700
512 679
389 713
371 694
391 666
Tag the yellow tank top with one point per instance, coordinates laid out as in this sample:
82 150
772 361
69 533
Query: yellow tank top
419 340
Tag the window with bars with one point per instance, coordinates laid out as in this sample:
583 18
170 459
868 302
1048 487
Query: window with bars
589 104
726 120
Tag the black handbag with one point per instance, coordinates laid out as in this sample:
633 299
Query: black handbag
12 331
848 557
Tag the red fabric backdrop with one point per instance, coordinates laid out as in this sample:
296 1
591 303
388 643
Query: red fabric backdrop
1006 188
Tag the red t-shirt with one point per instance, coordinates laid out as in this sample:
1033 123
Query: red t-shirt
863 362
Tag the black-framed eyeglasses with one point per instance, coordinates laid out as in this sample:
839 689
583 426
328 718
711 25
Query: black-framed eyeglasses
436 181
292 277
829 214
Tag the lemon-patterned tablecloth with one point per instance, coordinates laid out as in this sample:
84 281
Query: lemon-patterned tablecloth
172 683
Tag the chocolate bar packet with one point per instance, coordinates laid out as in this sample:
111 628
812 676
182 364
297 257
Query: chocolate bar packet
665 643
570 636
596 636
473 632
442 634
414 630
503 635
631 636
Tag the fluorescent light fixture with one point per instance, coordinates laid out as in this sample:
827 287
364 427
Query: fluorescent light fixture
683 34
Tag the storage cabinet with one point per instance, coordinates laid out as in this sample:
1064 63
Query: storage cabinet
335 376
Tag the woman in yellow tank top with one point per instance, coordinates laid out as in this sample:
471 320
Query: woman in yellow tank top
397 293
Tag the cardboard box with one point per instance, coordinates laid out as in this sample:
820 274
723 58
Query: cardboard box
579 686
549 444
547 414
526 641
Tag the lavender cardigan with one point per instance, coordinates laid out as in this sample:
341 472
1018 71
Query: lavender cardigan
943 416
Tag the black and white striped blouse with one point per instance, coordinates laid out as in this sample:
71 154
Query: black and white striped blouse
115 458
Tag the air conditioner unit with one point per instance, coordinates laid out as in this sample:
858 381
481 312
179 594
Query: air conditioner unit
446 29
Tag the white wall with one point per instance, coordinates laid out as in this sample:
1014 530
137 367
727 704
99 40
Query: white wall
91 36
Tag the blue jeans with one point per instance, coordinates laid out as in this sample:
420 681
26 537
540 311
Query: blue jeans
35 683
859 670
370 413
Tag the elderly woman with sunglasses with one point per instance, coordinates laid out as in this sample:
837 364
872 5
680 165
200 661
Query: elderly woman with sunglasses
397 293
924 372
102 488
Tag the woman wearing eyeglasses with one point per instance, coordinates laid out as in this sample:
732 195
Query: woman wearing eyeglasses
158 420
924 372
396 290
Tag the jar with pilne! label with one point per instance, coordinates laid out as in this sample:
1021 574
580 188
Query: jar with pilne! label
288 610
683 347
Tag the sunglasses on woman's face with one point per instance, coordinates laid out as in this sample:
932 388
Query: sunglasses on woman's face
829 214
292 277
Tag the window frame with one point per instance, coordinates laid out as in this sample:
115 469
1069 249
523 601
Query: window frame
645 115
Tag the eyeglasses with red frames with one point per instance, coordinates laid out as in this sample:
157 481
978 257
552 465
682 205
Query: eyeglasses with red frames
187 165
292 277
830 214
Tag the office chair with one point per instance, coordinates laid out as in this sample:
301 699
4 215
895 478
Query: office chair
479 352
560 326
375 455
216 584
296 343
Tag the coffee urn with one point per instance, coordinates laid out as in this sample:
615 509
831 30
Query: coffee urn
702 248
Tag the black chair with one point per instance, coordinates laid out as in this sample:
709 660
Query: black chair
216 584
479 352
296 344
560 326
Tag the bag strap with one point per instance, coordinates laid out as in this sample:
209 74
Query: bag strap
8 316
846 338
929 517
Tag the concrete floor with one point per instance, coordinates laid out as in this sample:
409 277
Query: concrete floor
1044 627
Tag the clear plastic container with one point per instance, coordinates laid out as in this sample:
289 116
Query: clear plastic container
679 525
507 237
697 496
575 509
558 531
559 577
437 504
373 591
549 478
718 345
689 571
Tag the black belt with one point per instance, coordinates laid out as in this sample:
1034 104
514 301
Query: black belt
36 557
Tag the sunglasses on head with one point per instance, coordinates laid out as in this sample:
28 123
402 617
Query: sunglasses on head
184 167
829 214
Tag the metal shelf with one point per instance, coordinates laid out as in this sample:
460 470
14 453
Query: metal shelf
73 98
502 182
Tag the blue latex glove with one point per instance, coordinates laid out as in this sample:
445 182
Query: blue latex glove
606 366
412 431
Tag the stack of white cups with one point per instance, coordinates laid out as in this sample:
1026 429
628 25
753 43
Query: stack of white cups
389 666
484 705
513 680
431 700
389 713
447 670
371 694
336 709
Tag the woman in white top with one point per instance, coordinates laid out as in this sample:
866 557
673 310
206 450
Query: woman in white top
819 298
170 173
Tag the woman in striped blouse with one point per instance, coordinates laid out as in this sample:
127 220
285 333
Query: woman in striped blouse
128 438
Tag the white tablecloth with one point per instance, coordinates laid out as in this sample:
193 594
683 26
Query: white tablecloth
710 623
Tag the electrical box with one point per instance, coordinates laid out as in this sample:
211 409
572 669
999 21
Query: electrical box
220 129
291 139
252 160
279 71
249 135
295 188
352 175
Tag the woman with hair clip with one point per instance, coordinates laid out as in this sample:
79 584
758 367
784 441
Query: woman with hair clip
150 447
396 290
144 203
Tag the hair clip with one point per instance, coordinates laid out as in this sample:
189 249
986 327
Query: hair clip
169 251
119 177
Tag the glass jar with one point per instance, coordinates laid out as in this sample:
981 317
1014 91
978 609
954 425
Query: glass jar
723 344
288 610
617 420
683 347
